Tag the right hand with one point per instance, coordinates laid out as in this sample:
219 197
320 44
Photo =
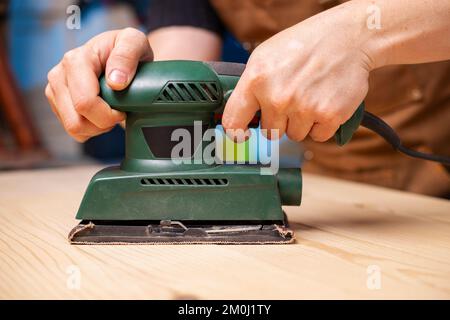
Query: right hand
73 88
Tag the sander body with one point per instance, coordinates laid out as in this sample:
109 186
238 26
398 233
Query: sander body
150 198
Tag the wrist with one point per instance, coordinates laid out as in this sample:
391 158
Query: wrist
376 42
363 20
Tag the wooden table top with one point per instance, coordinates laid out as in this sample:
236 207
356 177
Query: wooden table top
353 241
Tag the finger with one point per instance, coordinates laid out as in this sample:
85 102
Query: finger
130 47
76 125
299 125
240 108
322 132
273 124
51 100
82 68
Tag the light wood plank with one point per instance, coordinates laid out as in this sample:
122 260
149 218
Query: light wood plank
342 228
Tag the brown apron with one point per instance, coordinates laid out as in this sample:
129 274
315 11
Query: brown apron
413 99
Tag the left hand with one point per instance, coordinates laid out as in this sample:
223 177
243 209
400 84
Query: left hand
306 80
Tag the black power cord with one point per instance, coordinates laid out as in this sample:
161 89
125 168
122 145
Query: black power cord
372 122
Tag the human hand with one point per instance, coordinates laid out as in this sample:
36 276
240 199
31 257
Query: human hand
73 87
306 80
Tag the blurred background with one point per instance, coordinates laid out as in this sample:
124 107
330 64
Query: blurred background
34 37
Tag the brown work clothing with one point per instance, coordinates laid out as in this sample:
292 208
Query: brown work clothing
413 99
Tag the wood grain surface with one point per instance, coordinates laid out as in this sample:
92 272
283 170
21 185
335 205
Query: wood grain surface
353 241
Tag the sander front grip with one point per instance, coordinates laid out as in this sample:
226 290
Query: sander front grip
152 78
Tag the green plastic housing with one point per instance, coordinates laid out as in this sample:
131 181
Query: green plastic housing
239 193
151 187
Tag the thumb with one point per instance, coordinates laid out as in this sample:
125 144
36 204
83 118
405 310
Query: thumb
130 47
239 110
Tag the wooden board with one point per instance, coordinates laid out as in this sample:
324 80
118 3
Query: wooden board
353 241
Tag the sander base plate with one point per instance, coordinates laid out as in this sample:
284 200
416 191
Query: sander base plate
176 232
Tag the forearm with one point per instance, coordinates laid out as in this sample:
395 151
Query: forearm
409 31
184 42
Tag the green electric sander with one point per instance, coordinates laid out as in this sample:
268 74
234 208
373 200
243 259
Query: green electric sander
153 198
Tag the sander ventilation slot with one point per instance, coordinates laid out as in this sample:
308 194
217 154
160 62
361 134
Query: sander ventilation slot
189 92
184 182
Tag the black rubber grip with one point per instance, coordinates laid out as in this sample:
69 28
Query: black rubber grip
227 68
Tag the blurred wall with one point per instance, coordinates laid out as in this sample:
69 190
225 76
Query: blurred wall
38 38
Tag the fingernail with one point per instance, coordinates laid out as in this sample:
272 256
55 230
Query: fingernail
238 135
118 76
